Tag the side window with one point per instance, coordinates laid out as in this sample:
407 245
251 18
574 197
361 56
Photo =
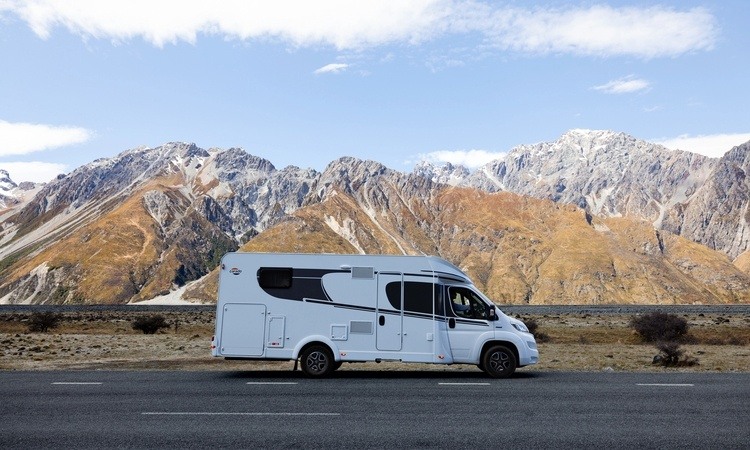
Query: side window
418 297
275 277
439 295
393 292
466 303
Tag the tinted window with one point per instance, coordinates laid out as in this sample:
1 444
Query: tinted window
466 303
418 297
275 278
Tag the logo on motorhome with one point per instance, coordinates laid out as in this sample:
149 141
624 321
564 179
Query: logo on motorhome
235 271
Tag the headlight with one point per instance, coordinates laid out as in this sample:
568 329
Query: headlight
520 327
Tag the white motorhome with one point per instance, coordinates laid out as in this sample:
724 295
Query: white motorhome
327 309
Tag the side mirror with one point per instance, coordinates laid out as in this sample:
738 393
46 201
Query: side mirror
492 314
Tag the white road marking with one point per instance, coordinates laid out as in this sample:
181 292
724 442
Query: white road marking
464 384
206 413
666 384
78 383
272 382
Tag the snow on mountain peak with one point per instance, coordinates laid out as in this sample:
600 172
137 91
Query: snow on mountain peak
448 173
6 184
606 172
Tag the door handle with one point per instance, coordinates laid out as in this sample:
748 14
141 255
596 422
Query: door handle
451 323
381 320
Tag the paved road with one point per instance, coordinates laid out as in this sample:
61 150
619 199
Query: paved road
372 409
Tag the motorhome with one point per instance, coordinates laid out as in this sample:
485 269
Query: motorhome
322 310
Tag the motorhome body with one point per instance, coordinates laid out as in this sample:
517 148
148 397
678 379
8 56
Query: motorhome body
326 309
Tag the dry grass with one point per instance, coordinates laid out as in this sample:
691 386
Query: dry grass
106 340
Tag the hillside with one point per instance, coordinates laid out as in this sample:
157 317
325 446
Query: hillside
518 250
718 214
613 174
604 219
141 224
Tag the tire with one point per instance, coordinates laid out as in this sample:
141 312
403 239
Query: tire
317 361
499 361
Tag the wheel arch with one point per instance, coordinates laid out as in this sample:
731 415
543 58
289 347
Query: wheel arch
511 346
316 340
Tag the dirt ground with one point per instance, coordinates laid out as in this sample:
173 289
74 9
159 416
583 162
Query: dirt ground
107 341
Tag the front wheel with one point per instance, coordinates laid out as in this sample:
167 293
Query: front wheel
499 362
317 361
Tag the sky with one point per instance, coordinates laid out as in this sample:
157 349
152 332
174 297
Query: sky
306 82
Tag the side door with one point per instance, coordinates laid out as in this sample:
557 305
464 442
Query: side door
243 329
390 311
467 317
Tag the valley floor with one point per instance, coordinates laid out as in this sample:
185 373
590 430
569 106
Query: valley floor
574 342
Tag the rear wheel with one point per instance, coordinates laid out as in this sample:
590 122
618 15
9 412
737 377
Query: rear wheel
317 361
499 361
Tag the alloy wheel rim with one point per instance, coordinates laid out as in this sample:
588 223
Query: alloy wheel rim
317 361
500 361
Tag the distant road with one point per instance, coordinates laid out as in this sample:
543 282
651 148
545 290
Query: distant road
372 410
511 309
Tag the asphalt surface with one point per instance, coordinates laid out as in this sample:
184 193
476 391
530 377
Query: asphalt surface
372 410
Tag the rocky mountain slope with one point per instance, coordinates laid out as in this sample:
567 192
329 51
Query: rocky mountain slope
7 186
12 194
140 224
718 213
616 175
518 249
151 221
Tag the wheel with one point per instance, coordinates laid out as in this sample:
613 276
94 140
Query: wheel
499 362
317 361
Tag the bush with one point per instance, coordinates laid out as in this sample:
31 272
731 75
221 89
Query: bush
41 322
670 354
533 327
150 325
660 327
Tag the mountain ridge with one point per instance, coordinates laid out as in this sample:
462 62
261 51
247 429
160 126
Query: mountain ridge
153 220
659 185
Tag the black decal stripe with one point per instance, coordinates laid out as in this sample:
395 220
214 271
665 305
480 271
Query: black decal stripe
418 315
340 305
390 312
316 273
480 323
393 312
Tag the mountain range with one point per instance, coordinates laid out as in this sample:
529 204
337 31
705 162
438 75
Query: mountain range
595 217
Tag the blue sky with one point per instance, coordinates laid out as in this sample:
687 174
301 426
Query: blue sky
303 83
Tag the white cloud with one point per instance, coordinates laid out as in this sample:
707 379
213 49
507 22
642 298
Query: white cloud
625 85
38 172
468 158
23 138
341 23
645 32
331 68
714 145
606 31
